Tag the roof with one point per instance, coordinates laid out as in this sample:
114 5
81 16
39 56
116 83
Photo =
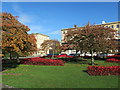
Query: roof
111 23
40 34
96 24
72 28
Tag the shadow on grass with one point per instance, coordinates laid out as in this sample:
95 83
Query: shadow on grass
85 71
96 58
9 64
79 60
71 60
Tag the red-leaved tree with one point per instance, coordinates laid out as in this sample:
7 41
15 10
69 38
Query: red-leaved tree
92 39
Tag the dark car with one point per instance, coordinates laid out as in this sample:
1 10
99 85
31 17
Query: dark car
56 54
63 54
47 55
50 55
73 55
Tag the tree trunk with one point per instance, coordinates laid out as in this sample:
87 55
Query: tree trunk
92 58
76 52
81 52
10 55
76 56
85 53
53 54
18 59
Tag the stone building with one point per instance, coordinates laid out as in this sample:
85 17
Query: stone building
40 39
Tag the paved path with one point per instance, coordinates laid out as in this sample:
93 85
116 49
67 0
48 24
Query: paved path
10 87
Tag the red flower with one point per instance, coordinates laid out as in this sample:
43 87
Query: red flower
42 61
97 70
113 60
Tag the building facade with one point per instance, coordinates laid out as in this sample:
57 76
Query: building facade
40 39
113 25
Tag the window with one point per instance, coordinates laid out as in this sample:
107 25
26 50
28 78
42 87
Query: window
112 26
117 26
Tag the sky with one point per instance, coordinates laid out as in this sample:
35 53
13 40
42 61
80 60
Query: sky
49 18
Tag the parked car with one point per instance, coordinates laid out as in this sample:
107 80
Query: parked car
73 55
104 55
50 55
56 54
47 55
63 54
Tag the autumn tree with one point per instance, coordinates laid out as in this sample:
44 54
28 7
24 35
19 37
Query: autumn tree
51 44
92 38
15 39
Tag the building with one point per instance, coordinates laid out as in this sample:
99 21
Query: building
40 39
113 25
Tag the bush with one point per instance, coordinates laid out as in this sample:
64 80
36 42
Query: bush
97 70
41 61
9 63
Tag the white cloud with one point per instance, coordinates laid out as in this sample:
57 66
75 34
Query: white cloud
58 32
16 8
23 17
38 29
35 27
29 20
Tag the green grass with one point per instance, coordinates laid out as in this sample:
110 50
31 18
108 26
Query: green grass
71 75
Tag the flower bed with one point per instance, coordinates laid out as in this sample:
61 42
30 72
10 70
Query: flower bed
63 56
113 60
97 70
41 61
113 56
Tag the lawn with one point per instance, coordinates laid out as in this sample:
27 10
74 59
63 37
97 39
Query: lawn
71 75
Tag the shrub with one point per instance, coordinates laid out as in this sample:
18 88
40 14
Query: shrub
41 61
9 63
97 70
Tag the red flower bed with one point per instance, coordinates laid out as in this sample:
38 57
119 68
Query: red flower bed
113 60
41 61
113 56
63 56
97 70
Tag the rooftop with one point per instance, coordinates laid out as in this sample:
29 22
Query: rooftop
39 34
96 24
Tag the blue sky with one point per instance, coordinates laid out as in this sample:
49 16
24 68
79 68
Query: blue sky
50 17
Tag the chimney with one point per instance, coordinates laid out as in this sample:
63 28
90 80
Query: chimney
88 23
75 26
103 22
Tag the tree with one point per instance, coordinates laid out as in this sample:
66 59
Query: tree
15 38
51 44
93 38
